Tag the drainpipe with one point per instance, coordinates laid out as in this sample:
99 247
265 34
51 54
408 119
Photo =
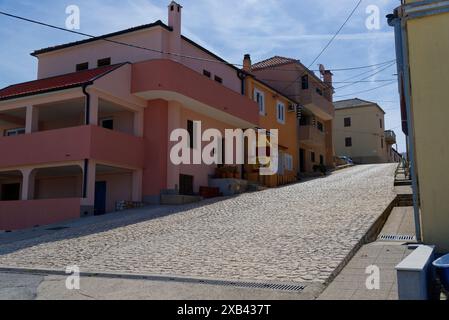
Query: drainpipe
86 122
242 76
87 106
405 87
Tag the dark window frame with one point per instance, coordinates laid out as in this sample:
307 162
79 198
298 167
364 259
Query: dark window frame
320 126
348 122
305 82
313 157
104 62
207 73
348 142
82 66
218 79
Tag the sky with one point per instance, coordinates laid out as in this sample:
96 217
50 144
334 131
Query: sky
231 28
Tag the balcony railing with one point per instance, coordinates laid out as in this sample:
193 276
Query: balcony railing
318 104
311 135
390 137
72 144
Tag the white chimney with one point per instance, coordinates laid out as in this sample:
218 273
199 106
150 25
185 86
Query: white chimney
174 17
174 22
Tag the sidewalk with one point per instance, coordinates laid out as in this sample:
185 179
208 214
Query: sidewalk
350 284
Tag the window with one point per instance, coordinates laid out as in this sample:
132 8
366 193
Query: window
348 122
305 82
259 97
381 123
321 159
382 142
348 142
312 157
207 73
82 66
288 162
281 112
14 132
107 123
320 126
218 79
190 130
319 91
104 62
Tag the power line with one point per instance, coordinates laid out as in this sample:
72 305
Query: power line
355 93
329 43
161 51
334 82
371 75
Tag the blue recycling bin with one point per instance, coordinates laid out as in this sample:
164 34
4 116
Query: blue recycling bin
442 267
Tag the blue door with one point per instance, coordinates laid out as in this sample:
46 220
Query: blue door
100 198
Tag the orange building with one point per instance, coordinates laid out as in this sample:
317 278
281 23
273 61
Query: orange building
276 111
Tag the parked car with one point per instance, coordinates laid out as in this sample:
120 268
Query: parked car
344 161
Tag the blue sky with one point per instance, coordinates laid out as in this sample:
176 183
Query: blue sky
231 28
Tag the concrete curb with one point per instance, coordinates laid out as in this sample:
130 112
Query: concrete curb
370 236
261 285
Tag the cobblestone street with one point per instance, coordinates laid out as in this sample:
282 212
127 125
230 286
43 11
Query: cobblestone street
299 233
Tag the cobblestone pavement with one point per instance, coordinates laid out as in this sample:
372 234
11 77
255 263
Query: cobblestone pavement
297 233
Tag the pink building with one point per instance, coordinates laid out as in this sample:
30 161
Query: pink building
94 128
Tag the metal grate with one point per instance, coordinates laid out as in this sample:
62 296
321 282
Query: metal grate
255 285
390 237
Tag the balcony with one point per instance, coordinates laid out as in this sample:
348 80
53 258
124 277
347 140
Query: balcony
171 81
390 137
317 104
310 135
72 144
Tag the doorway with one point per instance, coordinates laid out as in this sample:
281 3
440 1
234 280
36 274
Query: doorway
185 185
100 198
302 160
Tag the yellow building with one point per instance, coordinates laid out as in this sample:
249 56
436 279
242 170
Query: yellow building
422 45
276 112
359 132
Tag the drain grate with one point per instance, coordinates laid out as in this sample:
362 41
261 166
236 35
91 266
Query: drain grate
255 285
395 237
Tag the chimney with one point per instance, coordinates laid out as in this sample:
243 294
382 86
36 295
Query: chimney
327 77
174 17
174 40
247 65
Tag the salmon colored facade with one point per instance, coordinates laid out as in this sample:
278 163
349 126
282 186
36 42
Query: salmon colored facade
94 129
276 112
314 94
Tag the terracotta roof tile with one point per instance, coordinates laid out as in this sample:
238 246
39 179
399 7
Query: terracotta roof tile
54 83
273 62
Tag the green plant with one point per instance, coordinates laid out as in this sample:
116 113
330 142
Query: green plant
320 168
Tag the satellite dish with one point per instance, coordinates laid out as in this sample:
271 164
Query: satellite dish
322 70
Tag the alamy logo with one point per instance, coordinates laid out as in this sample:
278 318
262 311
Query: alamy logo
373 280
236 147
73 21
73 280
373 20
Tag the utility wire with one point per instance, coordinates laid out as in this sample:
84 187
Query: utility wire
328 44
355 93
365 78
160 51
